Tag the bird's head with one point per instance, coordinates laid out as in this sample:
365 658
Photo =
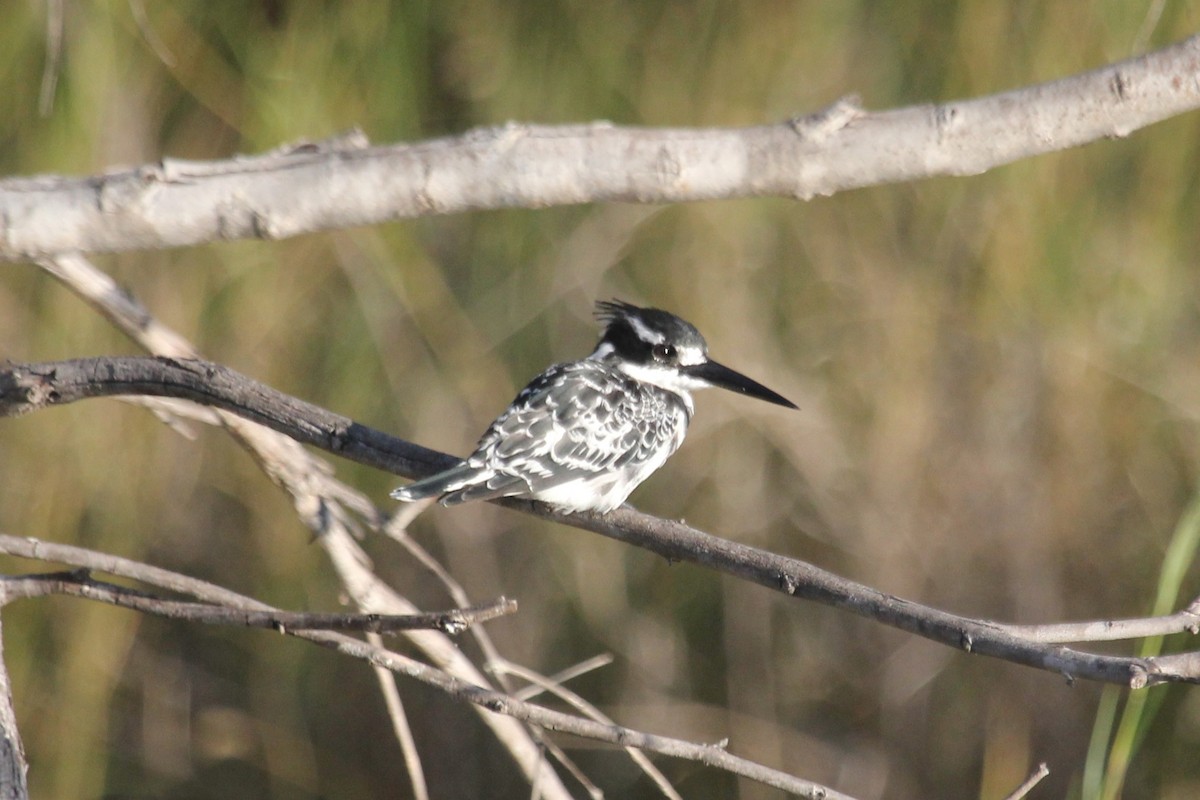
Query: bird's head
657 347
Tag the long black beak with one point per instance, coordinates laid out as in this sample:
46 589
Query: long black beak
720 375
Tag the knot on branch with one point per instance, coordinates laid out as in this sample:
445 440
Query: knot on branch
821 124
24 390
1139 677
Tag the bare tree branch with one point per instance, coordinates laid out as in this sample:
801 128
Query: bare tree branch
403 731
312 187
81 584
559 678
498 702
589 710
24 388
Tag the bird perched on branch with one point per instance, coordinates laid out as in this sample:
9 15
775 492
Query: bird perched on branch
582 435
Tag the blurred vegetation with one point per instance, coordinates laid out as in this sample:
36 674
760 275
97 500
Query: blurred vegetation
997 380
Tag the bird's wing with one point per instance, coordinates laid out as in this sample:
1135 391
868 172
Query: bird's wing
574 420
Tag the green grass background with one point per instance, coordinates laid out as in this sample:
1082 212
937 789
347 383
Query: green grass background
999 382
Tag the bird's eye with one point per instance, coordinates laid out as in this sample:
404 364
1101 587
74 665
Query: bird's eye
664 352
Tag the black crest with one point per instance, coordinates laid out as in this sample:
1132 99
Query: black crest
625 322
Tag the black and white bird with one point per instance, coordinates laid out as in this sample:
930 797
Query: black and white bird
582 435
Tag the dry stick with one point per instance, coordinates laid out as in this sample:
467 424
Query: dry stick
400 726
589 710
559 678
714 756
80 584
1033 780
24 388
396 529
311 187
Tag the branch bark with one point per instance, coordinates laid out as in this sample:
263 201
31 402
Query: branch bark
344 182
24 388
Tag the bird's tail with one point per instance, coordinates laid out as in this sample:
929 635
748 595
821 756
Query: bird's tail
463 483
437 485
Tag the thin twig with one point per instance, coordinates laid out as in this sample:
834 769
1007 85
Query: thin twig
589 710
711 755
81 584
403 731
396 530
559 678
1030 782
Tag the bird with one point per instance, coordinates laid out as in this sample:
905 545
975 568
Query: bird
584 434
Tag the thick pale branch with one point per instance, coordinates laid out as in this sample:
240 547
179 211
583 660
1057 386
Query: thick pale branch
25 388
342 183
498 702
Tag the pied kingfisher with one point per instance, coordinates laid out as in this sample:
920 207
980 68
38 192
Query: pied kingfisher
581 436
